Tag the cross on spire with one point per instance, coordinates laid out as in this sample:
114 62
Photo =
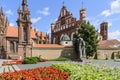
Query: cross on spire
82 3
63 3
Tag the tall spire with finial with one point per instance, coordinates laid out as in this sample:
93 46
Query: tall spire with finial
1 10
82 3
63 3
24 5
82 13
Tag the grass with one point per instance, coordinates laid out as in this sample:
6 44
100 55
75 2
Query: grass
61 59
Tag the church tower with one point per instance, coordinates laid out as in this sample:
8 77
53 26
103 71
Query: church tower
104 30
3 24
24 28
82 13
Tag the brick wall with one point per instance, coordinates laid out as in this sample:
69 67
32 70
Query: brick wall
51 53
103 53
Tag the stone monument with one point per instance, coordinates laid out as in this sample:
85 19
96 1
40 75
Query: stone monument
80 47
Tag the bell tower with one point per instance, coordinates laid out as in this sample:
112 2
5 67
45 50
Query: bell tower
24 28
82 13
104 30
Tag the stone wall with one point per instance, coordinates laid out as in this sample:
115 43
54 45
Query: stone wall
107 53
51 53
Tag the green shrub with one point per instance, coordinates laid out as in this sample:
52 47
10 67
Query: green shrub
118 54
61 59
88 72
31 60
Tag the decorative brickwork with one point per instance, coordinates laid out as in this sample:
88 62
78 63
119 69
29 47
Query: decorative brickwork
65 25
104 30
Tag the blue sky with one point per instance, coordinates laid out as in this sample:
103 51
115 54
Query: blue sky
44 12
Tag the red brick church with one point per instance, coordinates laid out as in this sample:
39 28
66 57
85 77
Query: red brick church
66 25
17 41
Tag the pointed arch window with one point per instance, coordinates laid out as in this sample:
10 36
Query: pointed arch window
11 46
17 46
25 34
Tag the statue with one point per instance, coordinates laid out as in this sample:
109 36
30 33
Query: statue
80 47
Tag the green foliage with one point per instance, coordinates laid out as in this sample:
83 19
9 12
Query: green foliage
118 54
31 60
61 59
96 56
89 35
88 72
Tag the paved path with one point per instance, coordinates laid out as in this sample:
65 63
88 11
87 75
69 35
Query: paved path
9 68
109 63
40 64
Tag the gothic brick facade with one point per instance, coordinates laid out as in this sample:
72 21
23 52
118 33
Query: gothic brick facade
66 25
17 42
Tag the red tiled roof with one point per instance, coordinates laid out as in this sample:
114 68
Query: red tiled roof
33 33
42 34
13 32
109 44
48 46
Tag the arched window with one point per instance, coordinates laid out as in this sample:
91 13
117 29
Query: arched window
11 46
25 34
16 46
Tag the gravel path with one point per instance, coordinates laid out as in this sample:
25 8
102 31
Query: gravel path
109 63
40 64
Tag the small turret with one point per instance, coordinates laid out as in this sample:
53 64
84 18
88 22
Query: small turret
104 30
83 14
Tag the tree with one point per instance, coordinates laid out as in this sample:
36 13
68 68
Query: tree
89 35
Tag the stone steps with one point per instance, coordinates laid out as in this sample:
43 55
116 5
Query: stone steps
9 68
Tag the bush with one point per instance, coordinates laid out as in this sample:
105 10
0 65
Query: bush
31 60
118 55
88 72
61 59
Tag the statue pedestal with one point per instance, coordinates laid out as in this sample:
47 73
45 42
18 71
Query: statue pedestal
78 60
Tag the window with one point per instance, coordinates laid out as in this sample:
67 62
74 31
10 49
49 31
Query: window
11 46
16 46
64 12
61 14
25 35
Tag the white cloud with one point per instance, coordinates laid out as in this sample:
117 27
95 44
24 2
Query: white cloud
114 35
35 20
12 24
114 9
106 13
109 24
45 11
9 12
115 6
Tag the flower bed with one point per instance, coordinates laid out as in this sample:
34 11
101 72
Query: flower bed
12 62
46 73
88 72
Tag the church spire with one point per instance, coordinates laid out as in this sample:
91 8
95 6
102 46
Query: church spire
24 5
1 10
